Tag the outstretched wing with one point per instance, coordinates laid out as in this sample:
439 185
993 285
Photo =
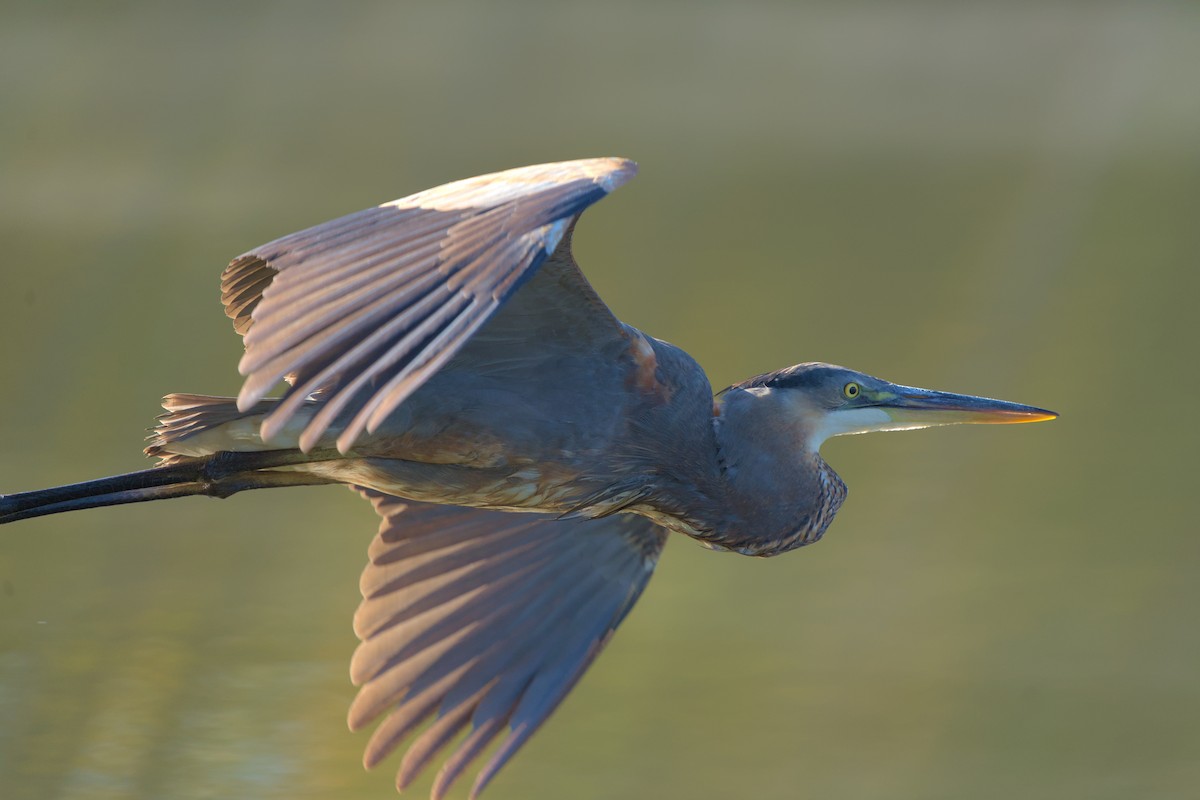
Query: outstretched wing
484 620
365 308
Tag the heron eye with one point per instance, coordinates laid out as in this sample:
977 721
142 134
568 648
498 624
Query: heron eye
851 390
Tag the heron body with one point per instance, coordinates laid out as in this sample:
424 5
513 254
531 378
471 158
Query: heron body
447 359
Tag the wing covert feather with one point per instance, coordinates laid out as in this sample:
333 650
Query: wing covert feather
484 620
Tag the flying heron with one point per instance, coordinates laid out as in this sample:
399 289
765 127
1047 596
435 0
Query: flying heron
448 361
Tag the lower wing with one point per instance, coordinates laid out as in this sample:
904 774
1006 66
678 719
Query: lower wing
484 621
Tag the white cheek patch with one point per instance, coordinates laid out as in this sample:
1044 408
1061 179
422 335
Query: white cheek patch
847 421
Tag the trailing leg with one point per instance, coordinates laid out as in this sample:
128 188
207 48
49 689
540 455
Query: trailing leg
218 475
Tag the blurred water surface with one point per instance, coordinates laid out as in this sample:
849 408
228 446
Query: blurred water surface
991 198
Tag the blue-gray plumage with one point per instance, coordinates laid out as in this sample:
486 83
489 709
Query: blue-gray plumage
448 360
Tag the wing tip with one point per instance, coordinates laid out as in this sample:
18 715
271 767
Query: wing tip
482 191
608 172
613 172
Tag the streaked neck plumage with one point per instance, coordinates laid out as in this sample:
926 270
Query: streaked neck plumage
776 491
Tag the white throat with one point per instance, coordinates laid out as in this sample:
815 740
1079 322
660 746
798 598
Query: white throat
848 421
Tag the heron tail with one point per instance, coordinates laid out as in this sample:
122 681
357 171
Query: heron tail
196 425
190 421
218 475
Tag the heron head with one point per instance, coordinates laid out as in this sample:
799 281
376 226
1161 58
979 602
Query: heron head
825 400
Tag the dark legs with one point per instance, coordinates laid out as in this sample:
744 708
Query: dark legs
219 475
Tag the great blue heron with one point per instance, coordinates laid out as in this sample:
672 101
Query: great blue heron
449 362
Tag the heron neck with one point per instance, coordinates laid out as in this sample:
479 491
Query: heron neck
777 492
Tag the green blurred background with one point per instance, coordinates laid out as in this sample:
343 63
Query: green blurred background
990 198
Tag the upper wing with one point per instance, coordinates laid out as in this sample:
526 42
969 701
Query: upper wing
484 619
366 307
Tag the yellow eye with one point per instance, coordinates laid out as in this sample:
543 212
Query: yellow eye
851 390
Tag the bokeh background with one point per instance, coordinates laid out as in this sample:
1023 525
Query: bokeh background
995 198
